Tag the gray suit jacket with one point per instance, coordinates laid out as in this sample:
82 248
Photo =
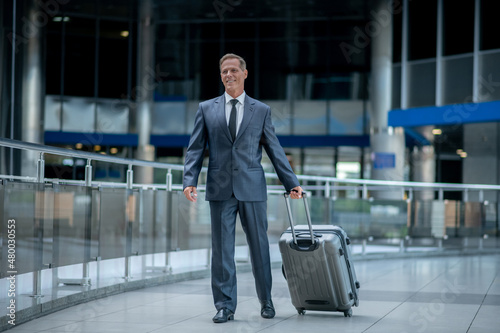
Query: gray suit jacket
235 167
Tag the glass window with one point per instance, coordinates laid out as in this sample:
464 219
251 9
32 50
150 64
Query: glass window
396 86
458 26
116 8
205 32
422 84
171 58
489 25
275 58
204 60
113 59
422 27
457 80
170 31
397 34
54 58
311 29
489 74
80 7
239 30
274 29
331 86
79 64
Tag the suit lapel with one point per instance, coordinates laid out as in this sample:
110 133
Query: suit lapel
220 111
247 116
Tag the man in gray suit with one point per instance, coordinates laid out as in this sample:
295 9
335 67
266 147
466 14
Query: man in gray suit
236 127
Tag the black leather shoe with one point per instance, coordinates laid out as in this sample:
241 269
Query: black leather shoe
267 310
223 315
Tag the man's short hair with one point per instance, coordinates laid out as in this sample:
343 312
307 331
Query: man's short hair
243 64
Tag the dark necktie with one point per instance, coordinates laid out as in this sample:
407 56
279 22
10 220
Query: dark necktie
232 119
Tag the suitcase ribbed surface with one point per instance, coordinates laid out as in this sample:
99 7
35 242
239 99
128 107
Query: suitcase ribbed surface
319 279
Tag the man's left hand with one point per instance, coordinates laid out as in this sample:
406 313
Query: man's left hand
296 192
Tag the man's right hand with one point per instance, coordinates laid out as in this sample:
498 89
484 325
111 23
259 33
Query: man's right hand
190 193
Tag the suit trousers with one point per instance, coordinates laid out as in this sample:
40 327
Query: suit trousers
253 216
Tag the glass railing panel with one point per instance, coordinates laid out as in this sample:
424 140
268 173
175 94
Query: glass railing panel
473 219
371 218
193 228
117 208
138 225
427 218
157 230
23 228
353 216
490 218
72 223
277 217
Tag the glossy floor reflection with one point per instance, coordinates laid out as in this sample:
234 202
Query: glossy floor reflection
433 294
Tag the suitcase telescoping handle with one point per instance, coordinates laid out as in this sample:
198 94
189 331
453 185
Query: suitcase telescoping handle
290 217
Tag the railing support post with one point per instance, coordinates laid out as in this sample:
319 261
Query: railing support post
128 235
85 280
40 169
170 220
37 274
130 177
88 173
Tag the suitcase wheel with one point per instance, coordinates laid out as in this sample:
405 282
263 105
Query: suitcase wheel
348 313
301 311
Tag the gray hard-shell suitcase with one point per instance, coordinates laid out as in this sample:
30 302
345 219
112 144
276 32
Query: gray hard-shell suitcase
317 266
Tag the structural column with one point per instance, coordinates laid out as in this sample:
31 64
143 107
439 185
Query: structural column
424 163
3 166
145 89
387 143
32 99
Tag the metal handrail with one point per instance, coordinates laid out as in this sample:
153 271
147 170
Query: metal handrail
85 155
327 180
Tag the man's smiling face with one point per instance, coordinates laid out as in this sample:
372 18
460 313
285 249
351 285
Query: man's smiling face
233 77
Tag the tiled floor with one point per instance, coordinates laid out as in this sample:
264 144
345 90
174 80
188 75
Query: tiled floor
433 294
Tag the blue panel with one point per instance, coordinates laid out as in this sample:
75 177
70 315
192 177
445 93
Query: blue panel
384 160
170 140
285 140
446 115
101 139
324 140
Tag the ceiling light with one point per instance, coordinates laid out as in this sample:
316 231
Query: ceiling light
60 19
124 33
437 131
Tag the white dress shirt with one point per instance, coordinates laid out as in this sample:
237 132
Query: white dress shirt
239 109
